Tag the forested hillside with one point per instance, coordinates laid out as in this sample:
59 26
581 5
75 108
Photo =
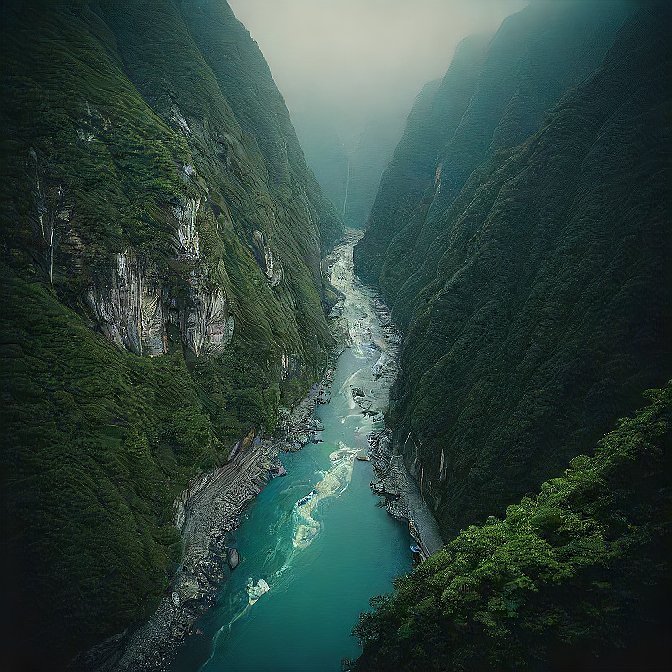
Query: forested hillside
576 577
494 95
162 292
548 309
522 235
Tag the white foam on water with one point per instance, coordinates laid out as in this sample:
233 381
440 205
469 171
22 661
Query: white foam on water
334 483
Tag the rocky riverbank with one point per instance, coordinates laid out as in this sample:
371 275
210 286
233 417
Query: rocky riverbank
402 497
206 513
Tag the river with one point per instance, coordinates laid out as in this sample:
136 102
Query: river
322 560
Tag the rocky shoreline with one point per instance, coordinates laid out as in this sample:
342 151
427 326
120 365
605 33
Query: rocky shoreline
402 498
206 513
401 494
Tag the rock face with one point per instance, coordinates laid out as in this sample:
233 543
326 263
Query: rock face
206 326
132 305
269 265
162 239
129 307
530 279
187 234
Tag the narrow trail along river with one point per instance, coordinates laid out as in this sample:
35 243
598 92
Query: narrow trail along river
322 557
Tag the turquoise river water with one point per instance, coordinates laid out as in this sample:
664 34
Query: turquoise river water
322 560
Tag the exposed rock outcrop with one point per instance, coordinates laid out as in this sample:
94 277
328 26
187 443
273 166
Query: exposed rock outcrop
269 264
129 305
205 323
187 235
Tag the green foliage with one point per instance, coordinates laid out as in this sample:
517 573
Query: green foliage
113 115
494 95
574 577
98 444
542 306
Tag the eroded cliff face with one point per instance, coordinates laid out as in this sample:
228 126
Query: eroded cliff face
133 305
161 247
269 265
128 305
187 234
205 324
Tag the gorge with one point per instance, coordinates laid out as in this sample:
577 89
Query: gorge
215 392
338 548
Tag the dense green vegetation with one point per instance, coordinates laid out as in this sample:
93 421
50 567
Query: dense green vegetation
123 123
576 577
548 307
401 204
98 441
494 95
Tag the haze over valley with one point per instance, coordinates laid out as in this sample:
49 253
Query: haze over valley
336 335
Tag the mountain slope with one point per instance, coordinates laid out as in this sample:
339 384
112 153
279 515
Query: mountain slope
534 287
400 205
550 308
485 104
161 244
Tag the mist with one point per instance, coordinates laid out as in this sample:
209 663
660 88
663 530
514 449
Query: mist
354 61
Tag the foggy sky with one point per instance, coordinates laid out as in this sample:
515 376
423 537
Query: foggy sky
356 59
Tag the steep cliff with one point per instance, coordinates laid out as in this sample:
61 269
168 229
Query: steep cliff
538 307
534 285
162 292
549 310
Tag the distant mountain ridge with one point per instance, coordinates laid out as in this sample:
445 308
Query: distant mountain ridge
349 175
